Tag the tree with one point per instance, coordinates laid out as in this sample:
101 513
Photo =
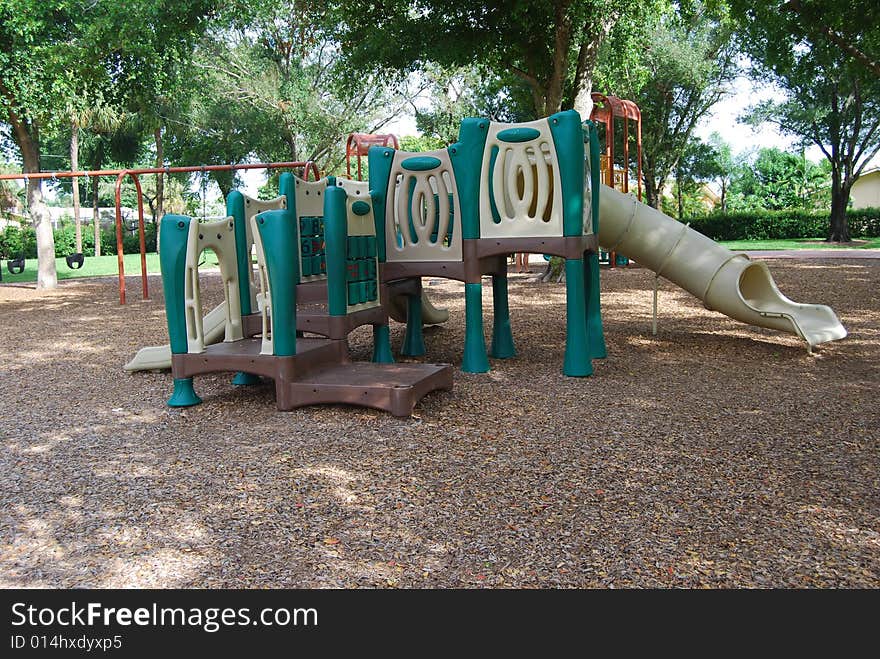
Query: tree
690 59
725 166
696 166
777 180
832 99
35 54
551 48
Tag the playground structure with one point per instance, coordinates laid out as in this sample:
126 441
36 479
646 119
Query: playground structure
358 145
613 117
350 248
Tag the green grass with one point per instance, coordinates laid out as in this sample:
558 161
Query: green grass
101 266
797 243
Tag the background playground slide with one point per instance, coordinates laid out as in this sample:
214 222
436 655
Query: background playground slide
159 357
431 315
724 281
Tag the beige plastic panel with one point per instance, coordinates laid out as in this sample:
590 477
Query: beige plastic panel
724 281
424 207
267 346
252 207
360 225
588 195
309 203
522 185
220 237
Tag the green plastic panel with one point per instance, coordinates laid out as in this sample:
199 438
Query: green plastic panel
420 164
279 238
379 159
172 260
360 208
518 135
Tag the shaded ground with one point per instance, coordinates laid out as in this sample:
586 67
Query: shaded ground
714 454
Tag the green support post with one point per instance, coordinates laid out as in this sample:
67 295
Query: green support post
502 335
382 345
172 260
569 142
413 340
379 159
235 208
184 395
475 359
595 331
335 238
466 156
577 352
280 242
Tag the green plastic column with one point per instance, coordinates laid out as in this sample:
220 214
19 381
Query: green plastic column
502 335
335 237
475 359
235 208
413 340
184 394
382 345
280 243
595 332
466 156
379 159
172 260
568 138
577 352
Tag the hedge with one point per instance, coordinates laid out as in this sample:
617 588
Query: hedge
783 224
15 241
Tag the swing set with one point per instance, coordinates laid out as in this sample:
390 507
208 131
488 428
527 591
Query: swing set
75 261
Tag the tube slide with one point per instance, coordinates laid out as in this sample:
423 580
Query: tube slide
431 315
154 358
724 281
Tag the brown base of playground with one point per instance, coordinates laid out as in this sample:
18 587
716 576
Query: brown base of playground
321 372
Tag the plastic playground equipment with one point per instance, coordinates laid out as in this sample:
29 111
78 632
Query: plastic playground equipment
334 255
612 114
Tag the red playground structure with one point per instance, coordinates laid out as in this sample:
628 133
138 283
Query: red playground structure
358 145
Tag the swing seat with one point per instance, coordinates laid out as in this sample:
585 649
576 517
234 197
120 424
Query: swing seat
16 266
75 261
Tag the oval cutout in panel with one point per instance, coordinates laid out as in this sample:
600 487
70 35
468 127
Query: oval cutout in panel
420 163
360 208
518 135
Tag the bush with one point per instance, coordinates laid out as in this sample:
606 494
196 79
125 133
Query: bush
783 224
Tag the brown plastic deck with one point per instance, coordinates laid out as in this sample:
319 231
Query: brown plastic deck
321 372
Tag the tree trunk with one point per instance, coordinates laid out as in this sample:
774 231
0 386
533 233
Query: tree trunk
74 188
839 223
160 184
27 138
96 218
678 196
653 192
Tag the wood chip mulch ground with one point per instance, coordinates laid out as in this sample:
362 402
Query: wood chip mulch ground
712 455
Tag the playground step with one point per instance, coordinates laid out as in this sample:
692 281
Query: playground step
321 372
395 388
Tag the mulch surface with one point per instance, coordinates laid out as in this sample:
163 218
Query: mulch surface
714 454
